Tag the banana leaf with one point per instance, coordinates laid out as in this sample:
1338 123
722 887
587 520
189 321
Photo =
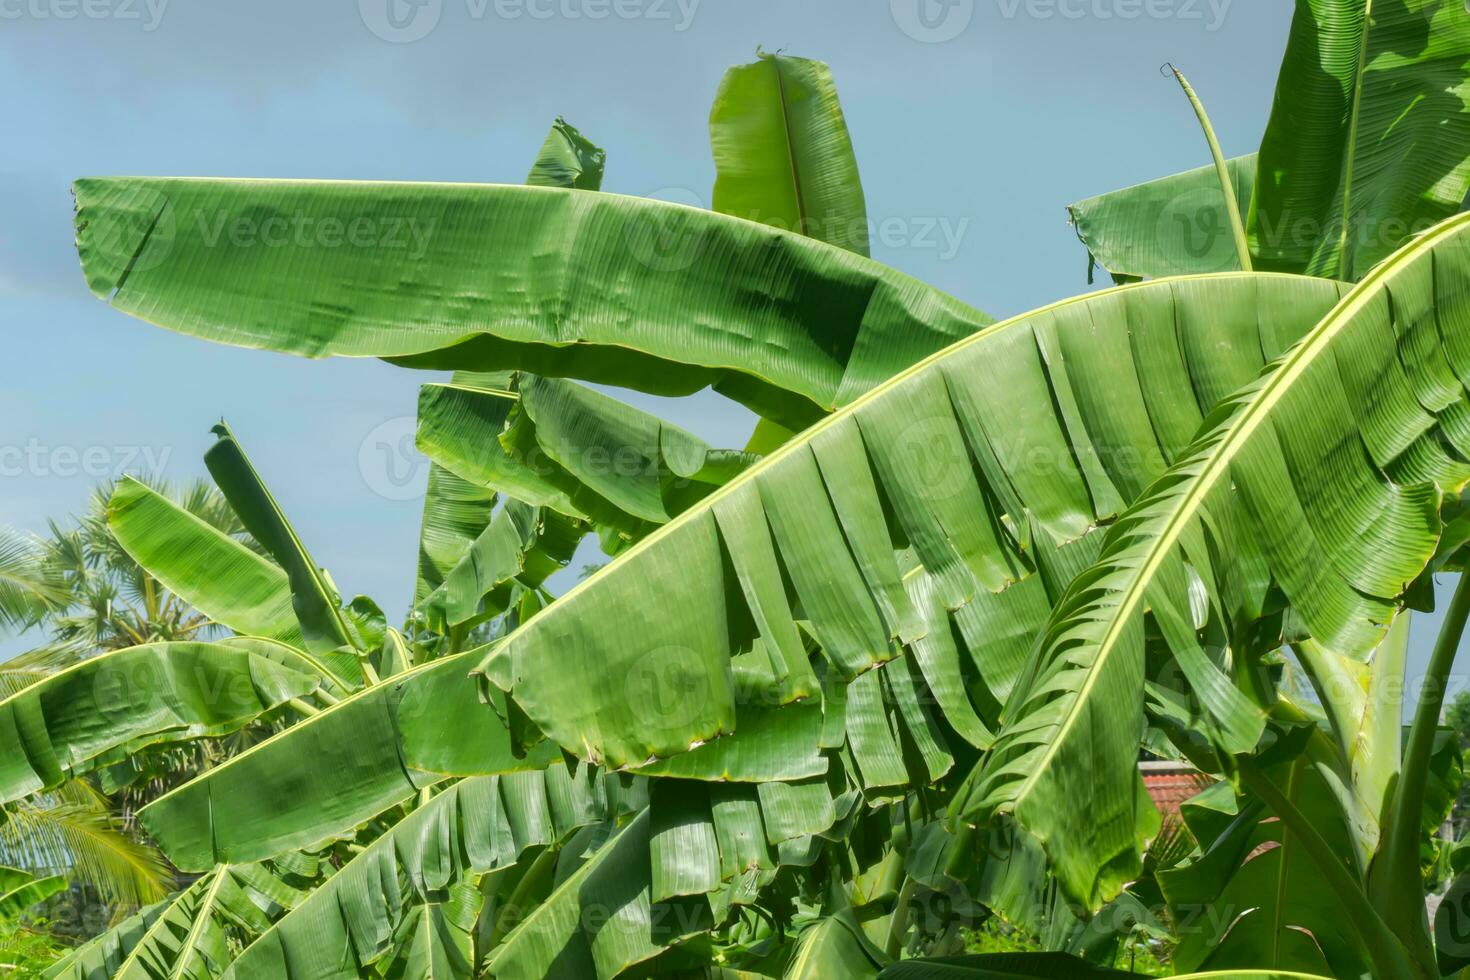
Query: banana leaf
1330 467
208 569
1368 142
788 325
990 467
20 890
98 711
782 152
1173 226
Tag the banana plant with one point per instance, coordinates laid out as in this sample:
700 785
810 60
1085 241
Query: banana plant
1368 144
977 564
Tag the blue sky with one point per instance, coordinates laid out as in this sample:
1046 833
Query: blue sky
976 119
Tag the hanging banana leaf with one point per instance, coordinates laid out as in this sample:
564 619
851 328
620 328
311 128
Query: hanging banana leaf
208 569
1048 966
102 709
367 753
1332 464
788 325
1025 420
353 921
20 890
558 444
1369 137
1173 226
835 946
782 152
521 546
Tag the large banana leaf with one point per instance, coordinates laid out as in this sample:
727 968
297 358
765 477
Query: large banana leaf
336 769
1172 226
789 325
101 709
208 569
782 153
1331 465
475 826
1369 137
997 460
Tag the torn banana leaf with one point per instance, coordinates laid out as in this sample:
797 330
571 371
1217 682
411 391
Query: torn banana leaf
1329 467
102 709
190 934
457 276
353 921
561 445
1172 226
782 152
361 756
988 468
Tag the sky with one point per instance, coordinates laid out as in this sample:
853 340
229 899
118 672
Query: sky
975 122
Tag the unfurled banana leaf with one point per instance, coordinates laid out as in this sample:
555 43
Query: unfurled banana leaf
315 603
989 466
366 753
1172 226
189 934
786 324
475 826
94 713
1369 138
1332 465
20 890
782 153
208 569
1254 898
557 444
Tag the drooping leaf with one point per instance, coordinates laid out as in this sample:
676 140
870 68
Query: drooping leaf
336 769
782 152
1052 419
568 159
788 325
19 891
100 710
